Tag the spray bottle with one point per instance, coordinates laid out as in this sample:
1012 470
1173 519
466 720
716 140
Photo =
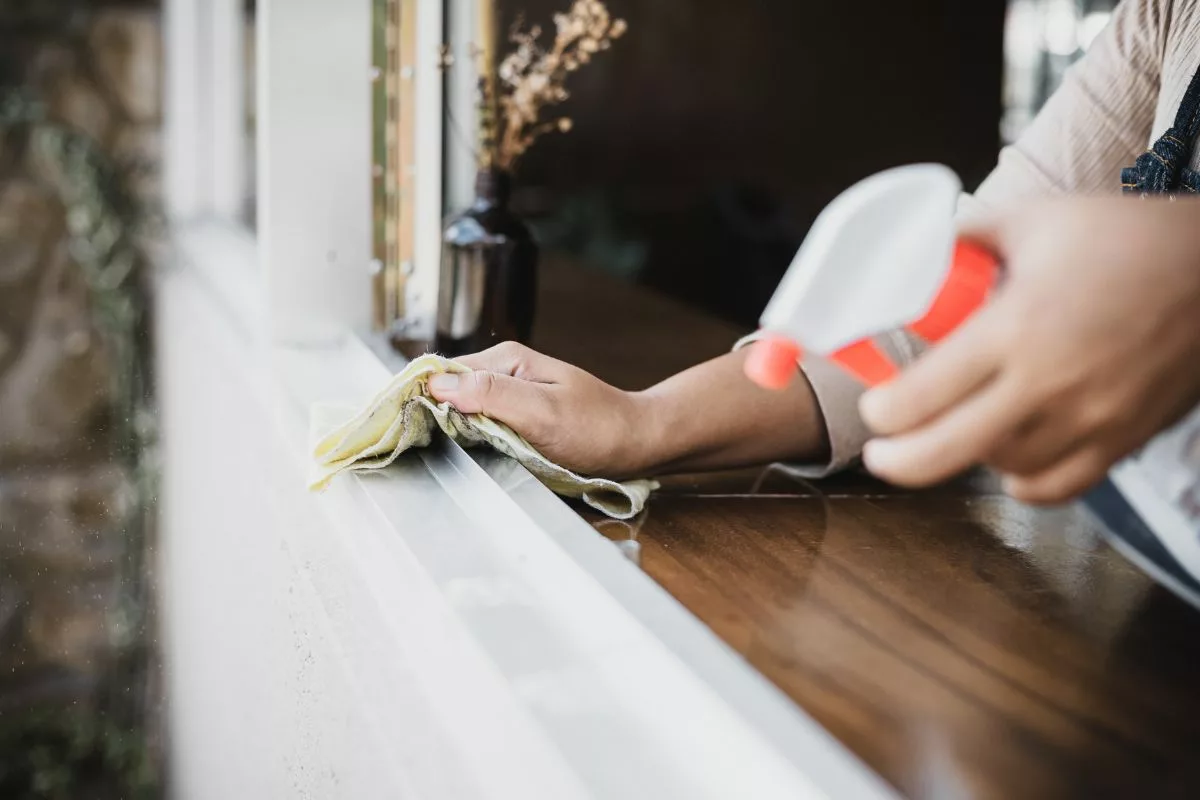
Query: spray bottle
883 255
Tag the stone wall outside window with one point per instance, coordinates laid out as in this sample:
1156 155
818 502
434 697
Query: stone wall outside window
80 134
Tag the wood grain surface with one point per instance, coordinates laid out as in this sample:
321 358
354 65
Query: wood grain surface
961 644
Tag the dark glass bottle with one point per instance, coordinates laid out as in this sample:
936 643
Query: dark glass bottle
488 282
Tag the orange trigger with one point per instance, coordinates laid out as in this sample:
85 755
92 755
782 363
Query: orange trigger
973 273
865 361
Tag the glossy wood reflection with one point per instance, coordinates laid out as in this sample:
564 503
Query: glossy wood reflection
960 643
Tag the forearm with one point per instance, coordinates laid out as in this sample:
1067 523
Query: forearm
712 417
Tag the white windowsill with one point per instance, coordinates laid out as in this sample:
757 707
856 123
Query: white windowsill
553 666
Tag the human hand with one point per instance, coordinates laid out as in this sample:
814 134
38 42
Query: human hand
570 416
1090 348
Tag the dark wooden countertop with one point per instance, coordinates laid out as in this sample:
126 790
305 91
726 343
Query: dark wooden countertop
963 645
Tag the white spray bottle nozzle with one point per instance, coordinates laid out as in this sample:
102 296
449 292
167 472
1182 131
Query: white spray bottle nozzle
874 260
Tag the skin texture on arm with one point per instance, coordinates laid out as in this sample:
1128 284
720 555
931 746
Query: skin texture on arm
711 417
1089 349
707 417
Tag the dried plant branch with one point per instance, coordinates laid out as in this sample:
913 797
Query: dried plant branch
531 78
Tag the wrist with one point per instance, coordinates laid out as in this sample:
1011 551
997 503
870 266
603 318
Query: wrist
648 436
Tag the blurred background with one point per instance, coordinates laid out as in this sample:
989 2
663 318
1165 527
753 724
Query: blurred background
80 113
710 139
698 159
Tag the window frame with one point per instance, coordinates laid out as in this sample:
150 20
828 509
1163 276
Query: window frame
205 159
313 162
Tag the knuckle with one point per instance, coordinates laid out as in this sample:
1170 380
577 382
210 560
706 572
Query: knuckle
485 384
1097 410
1107 410
511 349
513 358
1127 412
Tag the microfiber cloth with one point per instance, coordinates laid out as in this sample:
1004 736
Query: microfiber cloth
403 416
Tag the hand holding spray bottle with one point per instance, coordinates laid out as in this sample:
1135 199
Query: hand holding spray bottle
882 256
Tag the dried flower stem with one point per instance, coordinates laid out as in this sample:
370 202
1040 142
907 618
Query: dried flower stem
531 78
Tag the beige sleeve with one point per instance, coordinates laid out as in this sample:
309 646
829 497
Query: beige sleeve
1095 124
837 396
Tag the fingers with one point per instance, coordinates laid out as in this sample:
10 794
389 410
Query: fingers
958 439
521 404
517 360
1076 469
1063 481
939 380
1041 443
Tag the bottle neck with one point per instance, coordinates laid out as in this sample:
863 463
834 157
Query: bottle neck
493 187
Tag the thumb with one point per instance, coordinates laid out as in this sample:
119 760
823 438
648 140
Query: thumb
520 404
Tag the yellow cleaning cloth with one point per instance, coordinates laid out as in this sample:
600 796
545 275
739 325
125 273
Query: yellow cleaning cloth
404 416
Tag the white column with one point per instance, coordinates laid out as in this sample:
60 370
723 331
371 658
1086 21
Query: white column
228 107
185 145
462 105
205 117
314 162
